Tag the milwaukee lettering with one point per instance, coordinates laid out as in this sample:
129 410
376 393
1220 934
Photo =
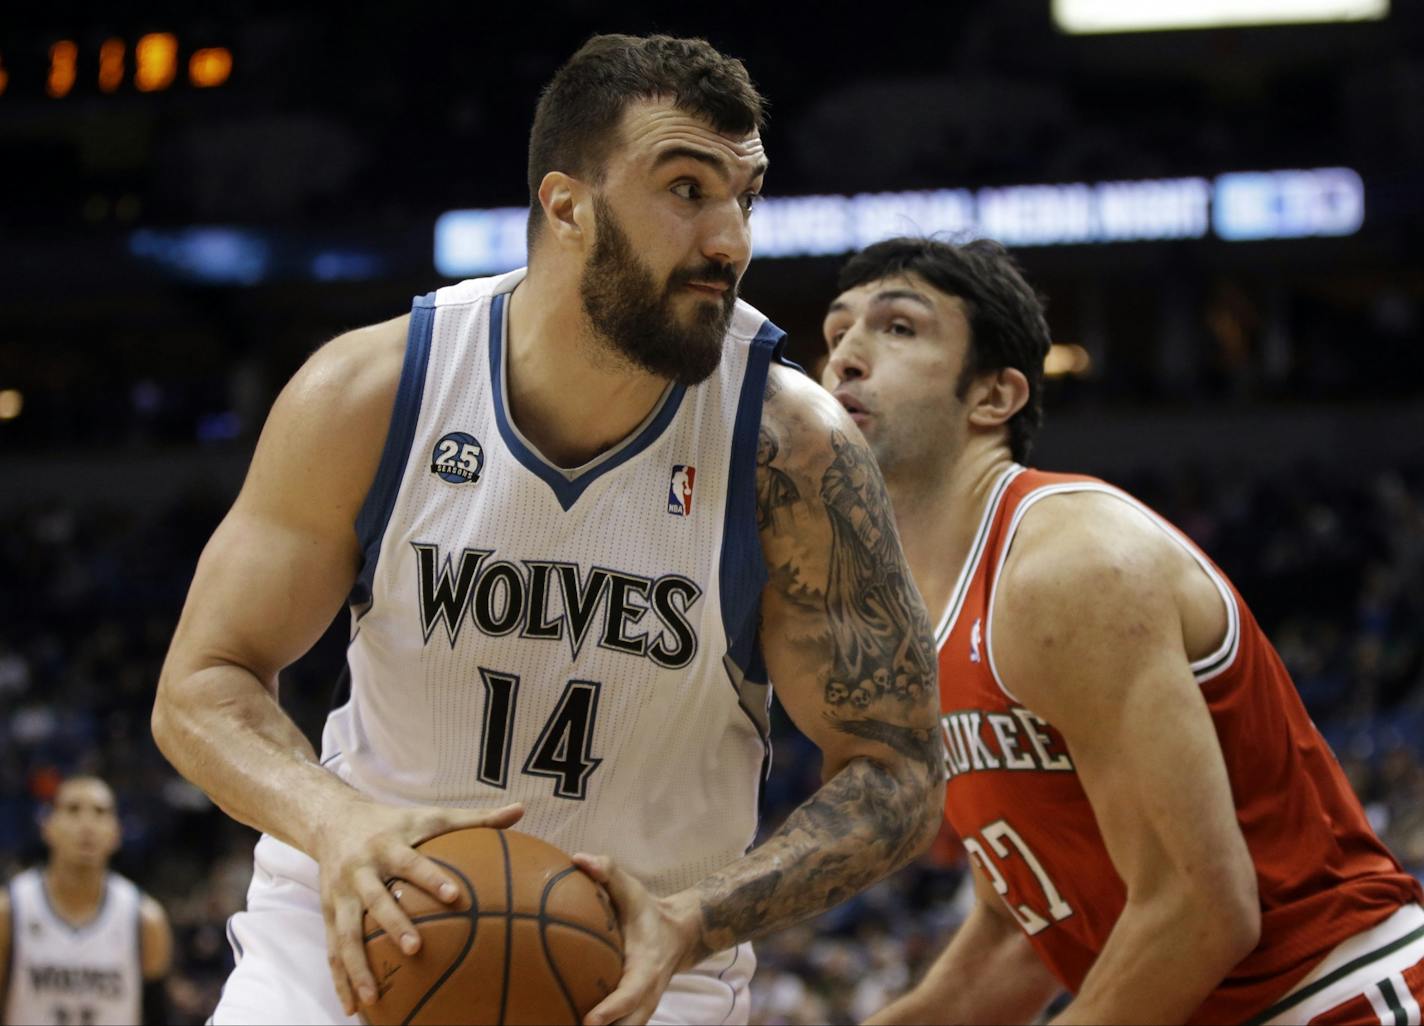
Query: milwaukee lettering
1018 740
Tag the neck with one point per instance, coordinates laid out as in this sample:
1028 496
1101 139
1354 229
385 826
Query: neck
937 515
75 890
569 396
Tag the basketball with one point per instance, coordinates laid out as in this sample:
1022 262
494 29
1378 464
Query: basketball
530 939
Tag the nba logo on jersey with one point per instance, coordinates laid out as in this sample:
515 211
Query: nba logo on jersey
680 490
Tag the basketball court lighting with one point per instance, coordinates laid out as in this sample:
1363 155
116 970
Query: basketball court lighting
1088 17
155 61
63 60
11 403
210 66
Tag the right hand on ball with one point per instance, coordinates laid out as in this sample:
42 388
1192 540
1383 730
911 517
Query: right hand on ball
366 846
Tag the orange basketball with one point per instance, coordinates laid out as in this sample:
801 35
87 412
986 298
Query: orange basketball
531 939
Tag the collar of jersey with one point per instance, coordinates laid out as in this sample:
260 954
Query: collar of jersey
568 485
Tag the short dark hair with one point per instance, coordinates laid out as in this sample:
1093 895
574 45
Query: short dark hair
576 122
1006 323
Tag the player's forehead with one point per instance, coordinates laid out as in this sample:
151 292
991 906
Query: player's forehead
906 290
84 793
654 131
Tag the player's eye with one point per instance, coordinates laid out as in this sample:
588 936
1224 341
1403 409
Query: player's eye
750 200
833 339
902 328
688 190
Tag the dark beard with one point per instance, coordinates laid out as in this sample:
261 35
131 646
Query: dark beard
635 318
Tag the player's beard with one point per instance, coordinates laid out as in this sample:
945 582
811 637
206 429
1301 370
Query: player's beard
637 320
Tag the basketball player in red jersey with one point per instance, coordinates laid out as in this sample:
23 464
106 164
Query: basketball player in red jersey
1153 821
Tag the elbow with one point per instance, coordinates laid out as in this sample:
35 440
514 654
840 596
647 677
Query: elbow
1229 914
930 806
1241 919
165 722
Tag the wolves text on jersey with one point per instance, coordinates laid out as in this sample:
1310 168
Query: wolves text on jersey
975 741
501 597
72 980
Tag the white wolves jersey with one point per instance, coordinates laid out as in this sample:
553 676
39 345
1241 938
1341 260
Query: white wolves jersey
582 641
64 975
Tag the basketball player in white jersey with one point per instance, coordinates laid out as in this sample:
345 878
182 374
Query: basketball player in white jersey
1155 825
581 516
80 945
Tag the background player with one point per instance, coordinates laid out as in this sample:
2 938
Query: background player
79 945
531 619
1106 694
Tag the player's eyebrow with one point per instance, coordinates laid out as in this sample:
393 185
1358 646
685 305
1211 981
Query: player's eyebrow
885 296
890 295
712 160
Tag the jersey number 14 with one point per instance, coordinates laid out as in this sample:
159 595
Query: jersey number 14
564 751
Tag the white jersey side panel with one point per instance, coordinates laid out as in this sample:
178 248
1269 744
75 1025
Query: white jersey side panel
582 642
63 975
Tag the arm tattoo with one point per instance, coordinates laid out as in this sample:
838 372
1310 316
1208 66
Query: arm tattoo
871 653
881 635
912 742
775 488
863 805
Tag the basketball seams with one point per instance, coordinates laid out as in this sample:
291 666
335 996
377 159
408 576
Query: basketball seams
544 941
474 918
508 923
434 917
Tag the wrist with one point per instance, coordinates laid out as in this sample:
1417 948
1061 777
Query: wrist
684 912
332 818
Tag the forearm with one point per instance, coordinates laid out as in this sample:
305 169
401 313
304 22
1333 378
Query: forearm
1161 961
224 731
988 973
863 824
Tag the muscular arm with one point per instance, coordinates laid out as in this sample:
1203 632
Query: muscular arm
269 582
849 647
988 973
1102 607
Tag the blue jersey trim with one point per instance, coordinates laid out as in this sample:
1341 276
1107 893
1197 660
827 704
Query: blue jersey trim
375 515
565 490
743 568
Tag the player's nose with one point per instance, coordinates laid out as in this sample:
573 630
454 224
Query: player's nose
728 239
850 360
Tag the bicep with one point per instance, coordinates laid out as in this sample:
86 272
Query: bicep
264 591
846 637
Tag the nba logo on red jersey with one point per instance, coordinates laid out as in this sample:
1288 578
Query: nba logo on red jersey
680 490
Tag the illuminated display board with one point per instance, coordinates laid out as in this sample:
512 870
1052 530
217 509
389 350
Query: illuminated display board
1236 207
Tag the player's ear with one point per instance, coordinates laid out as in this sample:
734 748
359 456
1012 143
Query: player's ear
566 207
996 397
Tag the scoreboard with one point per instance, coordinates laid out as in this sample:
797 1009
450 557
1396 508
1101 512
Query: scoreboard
150 63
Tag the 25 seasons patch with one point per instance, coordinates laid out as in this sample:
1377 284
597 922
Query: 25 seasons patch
458 458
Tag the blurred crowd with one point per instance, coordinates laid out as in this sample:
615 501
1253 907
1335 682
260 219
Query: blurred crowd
1332 562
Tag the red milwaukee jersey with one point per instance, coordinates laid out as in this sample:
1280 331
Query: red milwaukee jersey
1015 798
